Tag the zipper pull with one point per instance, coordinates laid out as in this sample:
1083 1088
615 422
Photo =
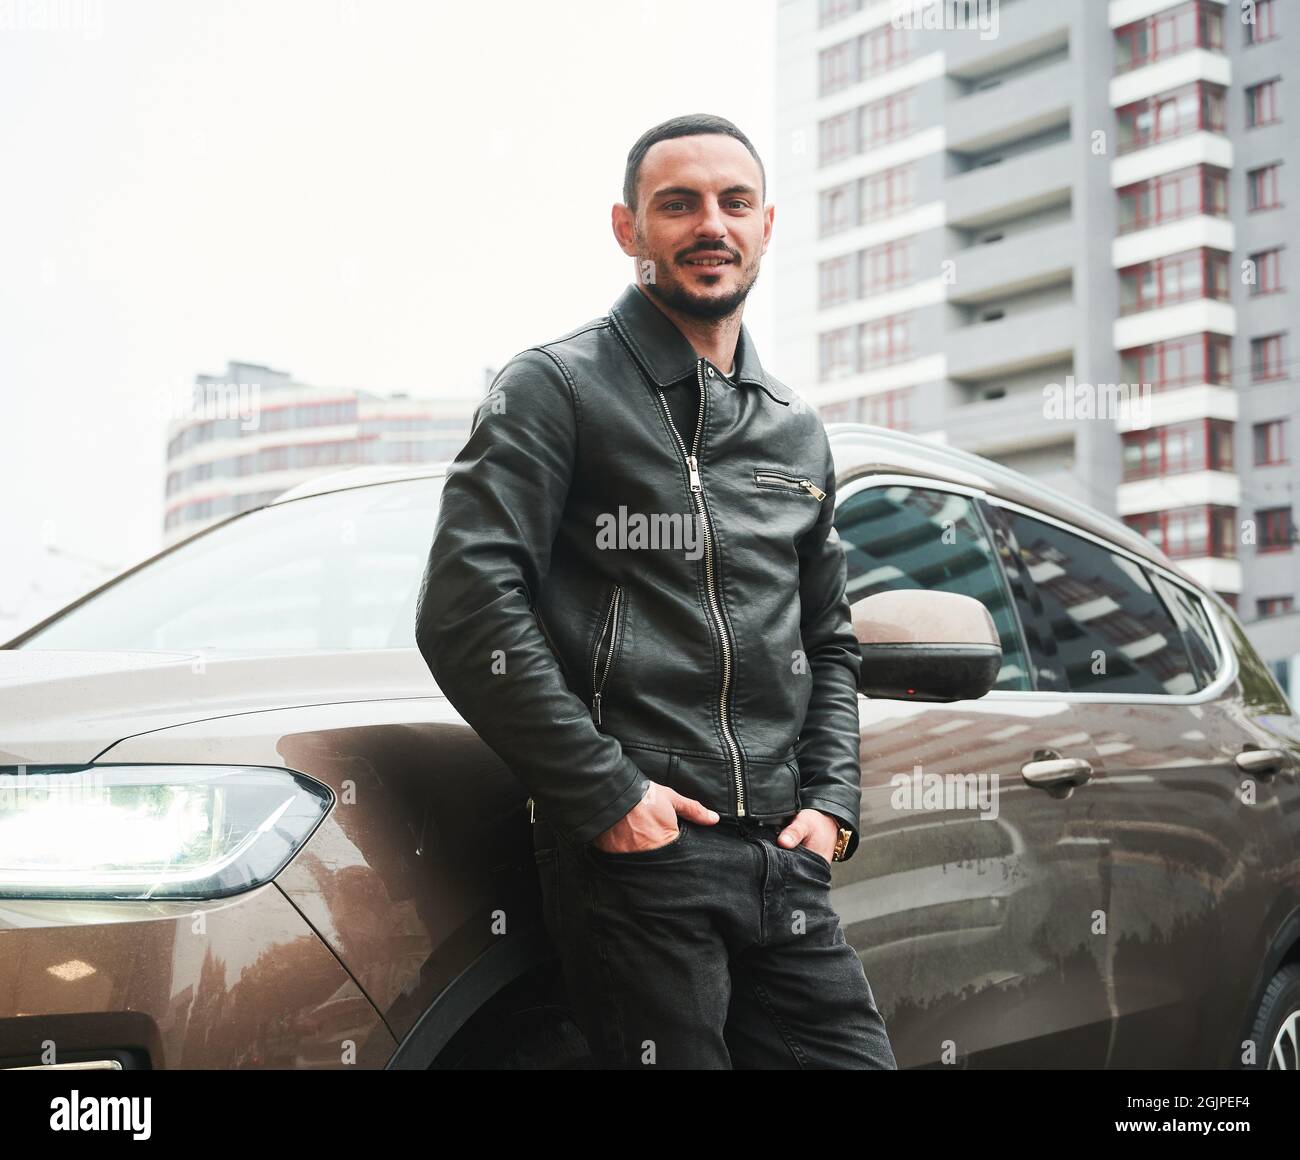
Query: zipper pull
595 708
692 465
531 816
812 489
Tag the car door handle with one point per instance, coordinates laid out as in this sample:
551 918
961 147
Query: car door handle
1049 770
1263 762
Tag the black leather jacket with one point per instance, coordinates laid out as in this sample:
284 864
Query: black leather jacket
724 667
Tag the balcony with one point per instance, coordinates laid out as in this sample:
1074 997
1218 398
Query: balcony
1000 426
1019 263
1020 107
1019 342
1032 30
1019 185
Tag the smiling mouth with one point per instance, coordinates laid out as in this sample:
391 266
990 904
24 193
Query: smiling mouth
706 262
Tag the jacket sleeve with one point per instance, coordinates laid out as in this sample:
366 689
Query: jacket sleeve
475 626
828 746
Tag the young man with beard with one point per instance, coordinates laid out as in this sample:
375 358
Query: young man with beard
686 722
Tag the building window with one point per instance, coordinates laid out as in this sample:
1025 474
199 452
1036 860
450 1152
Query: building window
836 353
884 48
1190 532
885 120
884 341
885 267
837 67
1264 25
1274 605
835 138
832 11
1197 445
838 208
1264 187
1177 278
1202 189
887 193
1266 358
889 409
1179 362
1274 528
1195 25
1193 108
1268 271
1270 443
835 280
1261 104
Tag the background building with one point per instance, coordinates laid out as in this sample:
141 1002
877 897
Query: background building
987 207
240 447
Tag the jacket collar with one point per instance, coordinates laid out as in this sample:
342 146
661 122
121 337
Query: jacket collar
667 356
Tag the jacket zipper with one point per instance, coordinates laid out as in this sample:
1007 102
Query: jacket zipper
611 627
710 579
793 482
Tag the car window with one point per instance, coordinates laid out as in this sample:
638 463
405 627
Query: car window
1189 612
900 537
334 571
1112 631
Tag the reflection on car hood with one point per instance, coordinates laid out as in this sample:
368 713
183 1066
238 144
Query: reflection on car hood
67 706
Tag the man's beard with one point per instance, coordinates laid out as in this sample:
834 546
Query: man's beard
675 295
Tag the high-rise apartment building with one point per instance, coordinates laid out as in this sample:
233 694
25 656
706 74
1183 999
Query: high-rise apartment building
998 220
253 433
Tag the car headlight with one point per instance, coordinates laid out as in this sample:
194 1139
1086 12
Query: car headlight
150 831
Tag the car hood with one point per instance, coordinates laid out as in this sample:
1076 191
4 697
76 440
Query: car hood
67 706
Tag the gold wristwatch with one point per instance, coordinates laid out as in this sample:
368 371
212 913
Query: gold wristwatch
842 840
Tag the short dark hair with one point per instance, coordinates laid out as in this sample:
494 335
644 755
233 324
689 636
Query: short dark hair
690 125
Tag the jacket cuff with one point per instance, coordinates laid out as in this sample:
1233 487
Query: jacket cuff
840 814
606 816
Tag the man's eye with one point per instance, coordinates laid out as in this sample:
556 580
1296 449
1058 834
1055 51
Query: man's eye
673 203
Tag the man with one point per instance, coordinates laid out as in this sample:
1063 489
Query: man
635 595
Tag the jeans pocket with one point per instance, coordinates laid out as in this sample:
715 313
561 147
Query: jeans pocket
548 879
683 829
811 855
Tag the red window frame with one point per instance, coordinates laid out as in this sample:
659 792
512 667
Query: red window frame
837 67
897 345
1262 104
889 409
899 187
1210 101
1196 24
1274 530
885 120
1264 27
885 267
1164 364
1270 442
836 281
1266 363
1268 271
835 138
1200 189
1264 187
1179 448
1274 605
1190 532
835 351
1182 277
883 49
834 216
832 11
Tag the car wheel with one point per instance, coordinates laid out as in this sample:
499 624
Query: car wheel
522 1029
1277 1025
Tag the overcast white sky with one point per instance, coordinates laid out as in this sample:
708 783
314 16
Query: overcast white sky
376 193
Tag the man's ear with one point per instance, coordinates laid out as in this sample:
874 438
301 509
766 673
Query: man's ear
622 223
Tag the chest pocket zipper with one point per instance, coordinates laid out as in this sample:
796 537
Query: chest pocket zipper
784 482
605 646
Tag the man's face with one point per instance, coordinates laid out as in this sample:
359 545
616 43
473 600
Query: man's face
700 228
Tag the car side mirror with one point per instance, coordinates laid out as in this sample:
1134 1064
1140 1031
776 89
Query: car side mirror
919 645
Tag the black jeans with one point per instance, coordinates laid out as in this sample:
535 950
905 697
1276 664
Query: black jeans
718 950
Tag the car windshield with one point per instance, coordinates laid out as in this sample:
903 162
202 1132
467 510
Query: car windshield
334 571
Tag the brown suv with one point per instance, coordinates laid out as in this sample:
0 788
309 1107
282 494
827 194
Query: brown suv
239 827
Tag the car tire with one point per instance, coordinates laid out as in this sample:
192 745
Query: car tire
523 1029
1276 1032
